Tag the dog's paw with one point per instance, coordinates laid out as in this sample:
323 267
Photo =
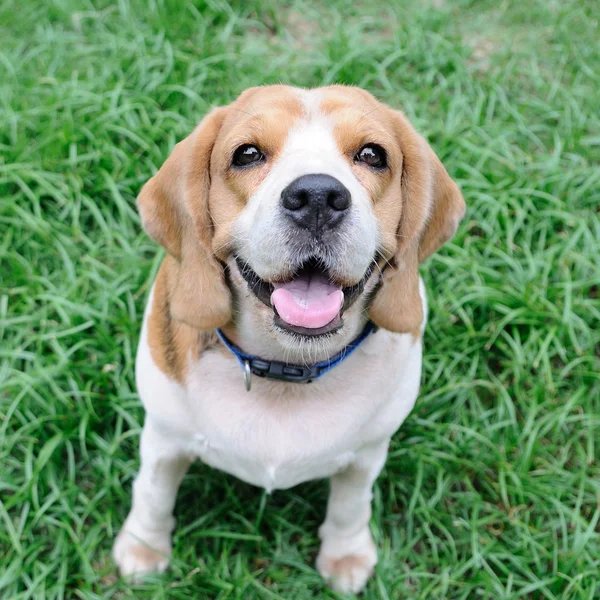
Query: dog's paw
135 558
348 573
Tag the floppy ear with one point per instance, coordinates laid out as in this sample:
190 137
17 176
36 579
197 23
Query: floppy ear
174 209
432 206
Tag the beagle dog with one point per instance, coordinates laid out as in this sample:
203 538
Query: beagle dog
282 336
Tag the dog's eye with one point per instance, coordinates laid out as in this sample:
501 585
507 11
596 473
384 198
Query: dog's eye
373 156
247 155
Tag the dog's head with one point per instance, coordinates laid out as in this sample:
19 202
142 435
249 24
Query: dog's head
301 212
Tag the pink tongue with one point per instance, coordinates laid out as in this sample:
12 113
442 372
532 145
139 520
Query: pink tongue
308 301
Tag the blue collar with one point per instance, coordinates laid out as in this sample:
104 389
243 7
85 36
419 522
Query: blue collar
281 371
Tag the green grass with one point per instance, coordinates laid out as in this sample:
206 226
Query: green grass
492 486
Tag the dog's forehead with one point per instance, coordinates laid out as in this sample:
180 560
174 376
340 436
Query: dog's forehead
263 99
333 102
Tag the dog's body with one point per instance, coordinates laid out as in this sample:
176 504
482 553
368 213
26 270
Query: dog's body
280 433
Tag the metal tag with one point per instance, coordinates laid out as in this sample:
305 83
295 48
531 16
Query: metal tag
247 375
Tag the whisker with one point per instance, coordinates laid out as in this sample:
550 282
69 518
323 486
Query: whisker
368 113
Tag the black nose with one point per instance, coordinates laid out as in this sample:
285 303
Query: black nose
316 202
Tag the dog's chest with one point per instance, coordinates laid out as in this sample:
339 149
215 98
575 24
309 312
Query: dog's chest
268 463
274 436
279 435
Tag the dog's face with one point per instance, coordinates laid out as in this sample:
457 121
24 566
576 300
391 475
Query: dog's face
295 201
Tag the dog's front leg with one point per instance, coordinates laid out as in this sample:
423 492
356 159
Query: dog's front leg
348 555
144 542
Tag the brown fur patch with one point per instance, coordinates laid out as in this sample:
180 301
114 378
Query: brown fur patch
262 117
145 555
345 565
339 96
418 213
358 120
174 210
173 343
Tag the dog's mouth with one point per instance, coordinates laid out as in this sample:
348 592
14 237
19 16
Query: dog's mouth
310 302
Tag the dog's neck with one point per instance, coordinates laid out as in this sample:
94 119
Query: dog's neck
264 341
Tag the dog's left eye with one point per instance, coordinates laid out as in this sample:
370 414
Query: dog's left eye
372 155
247 155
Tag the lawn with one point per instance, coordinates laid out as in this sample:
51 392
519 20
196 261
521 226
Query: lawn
492 486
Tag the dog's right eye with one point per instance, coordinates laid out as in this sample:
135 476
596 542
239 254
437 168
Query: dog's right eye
247 155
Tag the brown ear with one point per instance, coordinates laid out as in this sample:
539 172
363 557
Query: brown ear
431 209
174 209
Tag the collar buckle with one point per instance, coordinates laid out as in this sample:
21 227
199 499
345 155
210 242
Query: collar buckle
280 371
